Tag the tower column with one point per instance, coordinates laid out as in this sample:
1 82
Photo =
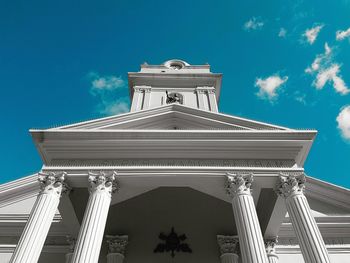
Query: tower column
147 98
228 248
116 248
251 242
270 250
212 99
136 99
201 96
311 243
35 232
89 241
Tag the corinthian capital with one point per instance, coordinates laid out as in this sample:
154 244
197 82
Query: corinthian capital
290 184
270 245
52 182
227 244
103 181
238 183
117 244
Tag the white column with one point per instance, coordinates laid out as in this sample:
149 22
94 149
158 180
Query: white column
116 248
87 249
251 242
71 241
35 232
270 250
228 248
200 97
311 243
147 97
212 99
136 99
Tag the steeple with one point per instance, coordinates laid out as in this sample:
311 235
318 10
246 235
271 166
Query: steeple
174 81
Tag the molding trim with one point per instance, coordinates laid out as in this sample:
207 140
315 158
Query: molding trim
176 162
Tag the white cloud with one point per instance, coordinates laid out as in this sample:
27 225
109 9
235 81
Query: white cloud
268 87
109 91
312 33
282 33
327 71
320 60
107 82
343 120
253 24
331 74
117 107
341 35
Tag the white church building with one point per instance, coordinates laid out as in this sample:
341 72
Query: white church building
173 181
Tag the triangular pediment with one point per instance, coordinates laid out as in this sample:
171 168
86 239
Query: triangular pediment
172 117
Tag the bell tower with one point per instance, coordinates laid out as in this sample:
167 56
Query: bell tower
174 81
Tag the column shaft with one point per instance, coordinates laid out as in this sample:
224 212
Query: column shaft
35 232
249 232
310 240
306 230
87 249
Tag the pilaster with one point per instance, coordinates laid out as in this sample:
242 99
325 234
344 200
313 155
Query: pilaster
88 246
201 97
35 232
251 242
147 97
116 248
212 99
291 187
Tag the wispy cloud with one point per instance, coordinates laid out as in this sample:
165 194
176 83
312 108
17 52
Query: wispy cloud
321 60
331 74
104 83
300 97
268 87
108 90
253 24
282 33
311 33
327 71
343 120
341 35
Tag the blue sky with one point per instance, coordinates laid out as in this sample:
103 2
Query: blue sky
284 62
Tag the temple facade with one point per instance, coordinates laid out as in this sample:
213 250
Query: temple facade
173 181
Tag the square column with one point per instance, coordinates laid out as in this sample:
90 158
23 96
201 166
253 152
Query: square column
251 242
